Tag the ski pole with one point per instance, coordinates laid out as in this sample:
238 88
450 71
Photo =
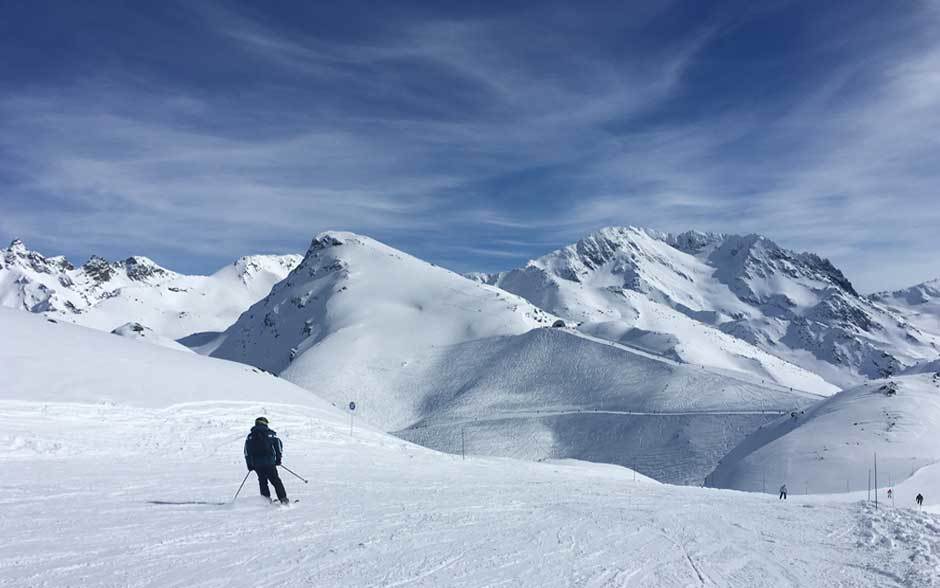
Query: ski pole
241 486
295 473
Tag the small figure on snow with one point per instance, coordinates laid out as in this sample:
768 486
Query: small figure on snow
263 452
919 500
890 493
783 492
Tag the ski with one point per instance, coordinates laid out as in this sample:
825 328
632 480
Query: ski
185 502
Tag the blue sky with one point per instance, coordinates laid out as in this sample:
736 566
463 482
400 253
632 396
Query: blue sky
474 135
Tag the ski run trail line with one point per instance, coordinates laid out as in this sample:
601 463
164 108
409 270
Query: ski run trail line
446 422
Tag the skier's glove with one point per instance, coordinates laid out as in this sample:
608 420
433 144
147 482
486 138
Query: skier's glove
251 469
277 463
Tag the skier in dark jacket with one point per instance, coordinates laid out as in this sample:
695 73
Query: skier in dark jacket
919 500
263 452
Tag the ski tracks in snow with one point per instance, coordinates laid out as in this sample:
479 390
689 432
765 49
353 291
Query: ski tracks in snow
904 544
379 512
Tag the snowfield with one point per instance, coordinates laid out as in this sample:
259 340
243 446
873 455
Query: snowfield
97 429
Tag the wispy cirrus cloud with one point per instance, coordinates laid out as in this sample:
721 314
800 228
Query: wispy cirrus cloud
479 138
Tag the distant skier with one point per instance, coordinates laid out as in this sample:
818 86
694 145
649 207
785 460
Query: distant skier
919 500
783 492
263 452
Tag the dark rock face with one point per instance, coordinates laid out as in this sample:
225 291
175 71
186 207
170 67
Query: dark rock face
98 269
140 269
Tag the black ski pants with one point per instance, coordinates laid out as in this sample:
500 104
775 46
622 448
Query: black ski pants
269 474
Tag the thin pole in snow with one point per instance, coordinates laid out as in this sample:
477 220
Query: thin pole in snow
876 480
463 444
352 411
869 484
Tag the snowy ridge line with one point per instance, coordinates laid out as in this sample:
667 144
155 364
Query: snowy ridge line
730 374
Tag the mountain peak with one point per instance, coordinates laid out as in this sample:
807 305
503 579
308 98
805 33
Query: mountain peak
250 265
138 268
328 239
17 246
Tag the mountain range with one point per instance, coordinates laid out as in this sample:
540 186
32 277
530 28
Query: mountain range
621 282
663 352
106 294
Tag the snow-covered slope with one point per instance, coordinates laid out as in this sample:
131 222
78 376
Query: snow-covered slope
795 306
139 332
104 295
416 346
923 368
919 305
553 393
45 361
97 429
832 445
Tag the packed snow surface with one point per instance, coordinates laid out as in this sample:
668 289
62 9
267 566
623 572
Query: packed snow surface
832 446
105 295
98 429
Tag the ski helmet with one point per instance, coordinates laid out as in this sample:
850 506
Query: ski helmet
261 421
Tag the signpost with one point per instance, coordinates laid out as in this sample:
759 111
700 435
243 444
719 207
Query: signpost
352 412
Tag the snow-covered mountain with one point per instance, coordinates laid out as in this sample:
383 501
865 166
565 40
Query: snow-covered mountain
353 316
832 445
639 286
424 351
919 305
104 295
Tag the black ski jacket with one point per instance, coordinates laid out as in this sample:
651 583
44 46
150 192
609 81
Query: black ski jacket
262 447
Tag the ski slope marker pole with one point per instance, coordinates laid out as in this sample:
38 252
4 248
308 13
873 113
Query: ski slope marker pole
241 486
295 474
